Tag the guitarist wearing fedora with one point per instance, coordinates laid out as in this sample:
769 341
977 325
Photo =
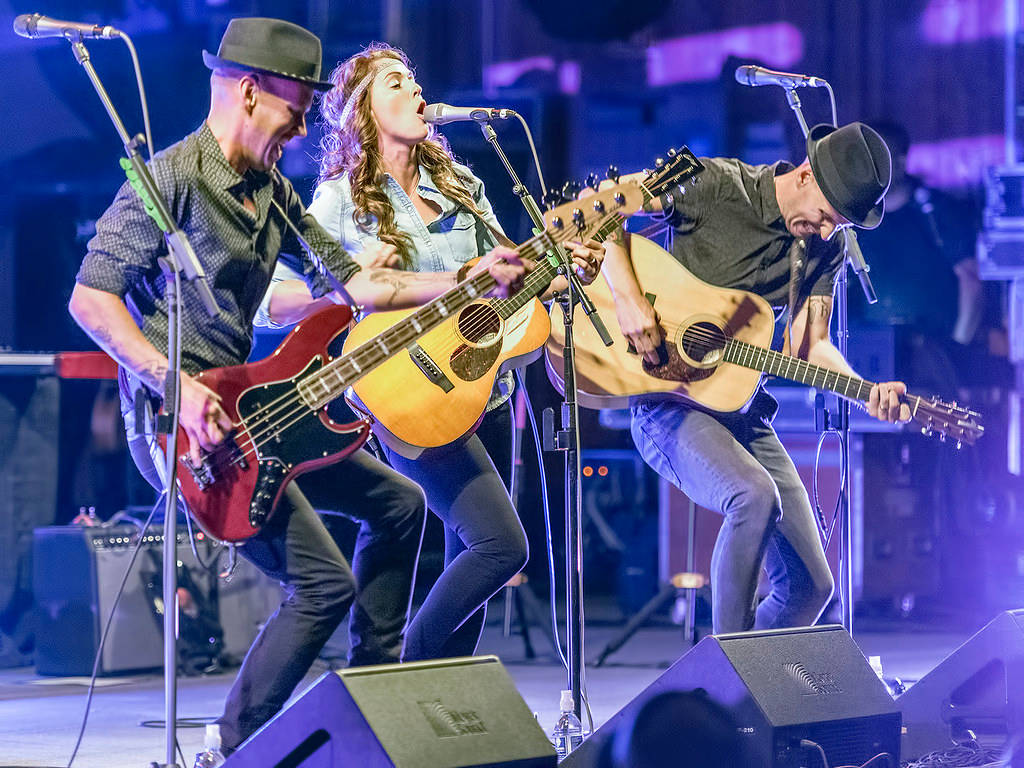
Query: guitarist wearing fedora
771 230
223 187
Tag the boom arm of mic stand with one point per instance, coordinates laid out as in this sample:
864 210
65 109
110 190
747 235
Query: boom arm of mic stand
538 221
860 266
181 250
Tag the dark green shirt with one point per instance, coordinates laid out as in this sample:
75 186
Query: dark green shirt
729 231
237 248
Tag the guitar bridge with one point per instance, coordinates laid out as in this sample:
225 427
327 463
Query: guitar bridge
227 452
429 368
202 475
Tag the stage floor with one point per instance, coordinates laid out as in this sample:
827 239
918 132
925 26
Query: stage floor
40 717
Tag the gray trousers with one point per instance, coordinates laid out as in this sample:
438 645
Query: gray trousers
735 465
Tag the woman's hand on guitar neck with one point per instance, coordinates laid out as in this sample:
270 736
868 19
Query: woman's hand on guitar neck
641 324
506 267
885 402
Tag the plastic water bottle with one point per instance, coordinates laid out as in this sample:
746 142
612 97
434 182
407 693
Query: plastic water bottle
211 755
568 732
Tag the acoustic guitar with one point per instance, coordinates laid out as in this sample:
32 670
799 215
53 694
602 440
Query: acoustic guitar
436 393
715 353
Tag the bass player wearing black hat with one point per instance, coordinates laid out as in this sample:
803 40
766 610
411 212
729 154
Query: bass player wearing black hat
770 230
223 187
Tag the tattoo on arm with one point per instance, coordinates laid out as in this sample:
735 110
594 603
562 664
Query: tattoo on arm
617 237
153 373
819 310
397 281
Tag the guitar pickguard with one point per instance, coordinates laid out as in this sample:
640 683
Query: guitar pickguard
286 434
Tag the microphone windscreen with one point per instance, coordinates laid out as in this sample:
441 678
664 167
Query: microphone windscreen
24 25
745 74
432 113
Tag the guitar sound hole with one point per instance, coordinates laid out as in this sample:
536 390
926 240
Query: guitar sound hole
479 325
703 343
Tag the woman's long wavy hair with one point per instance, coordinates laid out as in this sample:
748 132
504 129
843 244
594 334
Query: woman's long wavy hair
352 149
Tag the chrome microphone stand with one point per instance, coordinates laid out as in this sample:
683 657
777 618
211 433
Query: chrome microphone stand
180 261
855 258
567 438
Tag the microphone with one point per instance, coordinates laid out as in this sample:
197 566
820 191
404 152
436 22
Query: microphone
440 114
748 74
36 25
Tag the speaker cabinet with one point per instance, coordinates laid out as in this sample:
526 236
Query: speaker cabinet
450 713
978 687
76 572
782 686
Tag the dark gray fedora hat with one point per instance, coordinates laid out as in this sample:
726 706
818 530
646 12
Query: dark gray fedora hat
853 168
271 45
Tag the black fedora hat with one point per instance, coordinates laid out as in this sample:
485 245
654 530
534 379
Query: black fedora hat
271 45
853 168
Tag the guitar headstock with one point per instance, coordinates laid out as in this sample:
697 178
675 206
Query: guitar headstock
679 166
581 219
947 420
676 168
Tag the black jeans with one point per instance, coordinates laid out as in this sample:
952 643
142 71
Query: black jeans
295 548
485 544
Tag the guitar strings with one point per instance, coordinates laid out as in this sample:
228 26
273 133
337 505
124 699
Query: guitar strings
293 404
276 421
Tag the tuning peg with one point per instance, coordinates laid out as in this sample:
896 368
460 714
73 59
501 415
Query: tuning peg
578 218
552 198
671 152
598 206
592 181
959 444
942 437
659 161
613 173
571 189
620 199
926 431
557 222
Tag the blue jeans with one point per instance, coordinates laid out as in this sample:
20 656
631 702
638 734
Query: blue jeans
735 464
295 548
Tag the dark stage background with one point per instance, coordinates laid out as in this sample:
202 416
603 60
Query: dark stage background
608 81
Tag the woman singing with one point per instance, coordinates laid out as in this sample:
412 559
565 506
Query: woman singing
392 194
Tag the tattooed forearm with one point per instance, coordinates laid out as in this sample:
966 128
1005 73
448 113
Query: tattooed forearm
399 282
154 375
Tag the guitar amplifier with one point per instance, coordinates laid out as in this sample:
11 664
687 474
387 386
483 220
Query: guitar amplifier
76 575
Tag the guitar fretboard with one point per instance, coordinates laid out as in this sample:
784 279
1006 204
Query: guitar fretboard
332 380
795 369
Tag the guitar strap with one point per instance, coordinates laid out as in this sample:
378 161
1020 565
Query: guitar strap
797 271
498 235
314 257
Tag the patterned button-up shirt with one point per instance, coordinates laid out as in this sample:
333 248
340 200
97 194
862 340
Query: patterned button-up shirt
237 247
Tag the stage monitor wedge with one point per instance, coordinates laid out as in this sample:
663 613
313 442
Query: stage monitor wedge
782 686
978 687
450 713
